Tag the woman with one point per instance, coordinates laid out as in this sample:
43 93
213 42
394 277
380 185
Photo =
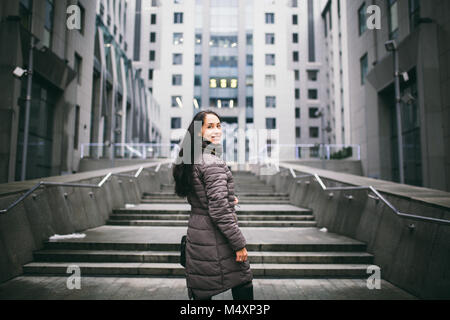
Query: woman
216 257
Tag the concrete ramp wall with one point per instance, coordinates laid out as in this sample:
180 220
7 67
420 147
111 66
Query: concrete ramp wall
411 254
65 210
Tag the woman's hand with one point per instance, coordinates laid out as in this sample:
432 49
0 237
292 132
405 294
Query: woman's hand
236 201
241 255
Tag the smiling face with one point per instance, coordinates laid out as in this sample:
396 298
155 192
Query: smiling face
212 129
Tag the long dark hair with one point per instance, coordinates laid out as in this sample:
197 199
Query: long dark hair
189 154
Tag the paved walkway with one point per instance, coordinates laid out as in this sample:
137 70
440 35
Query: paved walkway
130 288
127 234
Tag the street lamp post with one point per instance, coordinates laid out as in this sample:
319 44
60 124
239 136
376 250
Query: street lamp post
391 46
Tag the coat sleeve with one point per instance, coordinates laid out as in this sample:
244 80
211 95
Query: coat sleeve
215 179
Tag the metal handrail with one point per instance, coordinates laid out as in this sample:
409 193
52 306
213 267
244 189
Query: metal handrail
377 197
75 185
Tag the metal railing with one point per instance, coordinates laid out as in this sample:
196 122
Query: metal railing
129 150
377 197
77 185
310 151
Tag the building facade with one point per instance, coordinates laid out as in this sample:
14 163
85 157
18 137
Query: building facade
255 63
76 73
420 31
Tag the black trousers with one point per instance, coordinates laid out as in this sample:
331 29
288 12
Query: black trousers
241 292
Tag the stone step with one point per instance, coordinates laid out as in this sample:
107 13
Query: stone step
175 269
180 223
261 197
269 209
172 195
242 201
186 217
164 246
174 257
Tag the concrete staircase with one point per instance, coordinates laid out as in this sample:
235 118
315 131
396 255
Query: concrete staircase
283 241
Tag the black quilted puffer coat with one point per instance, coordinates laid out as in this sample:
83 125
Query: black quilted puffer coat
213 235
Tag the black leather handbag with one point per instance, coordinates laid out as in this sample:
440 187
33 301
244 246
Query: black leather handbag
183 251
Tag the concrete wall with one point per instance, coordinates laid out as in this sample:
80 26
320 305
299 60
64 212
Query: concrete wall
416 260
345 166
26 227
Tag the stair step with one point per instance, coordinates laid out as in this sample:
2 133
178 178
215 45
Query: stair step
145 246
174 269
240 195
181 223
241 201
186 217
174 256
239 213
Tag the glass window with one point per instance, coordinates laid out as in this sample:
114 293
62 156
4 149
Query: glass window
393 18
223 41
312 75
177 80
249 39
271 123
198 59
297 132
249 80
271 81
178 38
153 18
270 18
150 74
177 59
294 19
48 25
270 38
197 102
312 94
249 60
297 113
297 93
364 65
295 38
224 61
177 101
178 17
78 63
175 123
270 59
198 38
313 112
197 80
271 102
297 75
295 56
249 102
152 37
77 128
313 132
362 19
152 55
